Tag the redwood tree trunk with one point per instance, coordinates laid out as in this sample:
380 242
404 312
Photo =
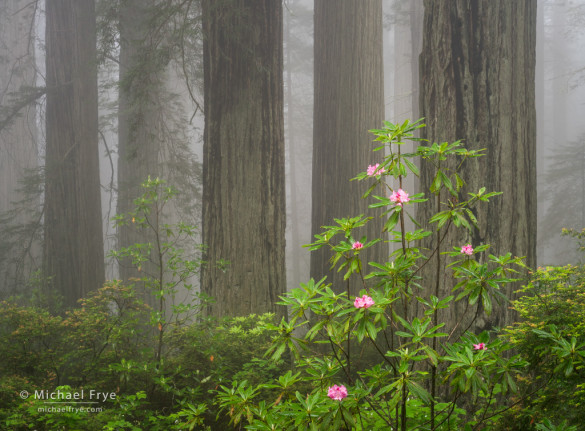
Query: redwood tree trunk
18 144
243 171
349 101
74 254
138 125
477 84
154 120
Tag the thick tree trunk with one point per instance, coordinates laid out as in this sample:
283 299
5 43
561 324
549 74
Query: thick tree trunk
477 84
74 254
18 141
243 171
349 101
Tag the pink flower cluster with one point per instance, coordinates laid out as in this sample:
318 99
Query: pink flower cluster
399 197
337 392
357 245
373 170
467 249
480 346
363 302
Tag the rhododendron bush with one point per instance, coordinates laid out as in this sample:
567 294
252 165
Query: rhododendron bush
379 357
371 361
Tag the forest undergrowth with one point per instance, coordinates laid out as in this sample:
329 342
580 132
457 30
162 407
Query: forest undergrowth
139 355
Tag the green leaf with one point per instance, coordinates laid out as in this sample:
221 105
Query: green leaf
392 221
383 201
371 330
418 391
403 334
486 302
448 184
459 182
436 185
411 166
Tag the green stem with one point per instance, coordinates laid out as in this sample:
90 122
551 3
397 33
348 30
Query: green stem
348 339
403 413
402 230
403 237
345 369
160 258
435 318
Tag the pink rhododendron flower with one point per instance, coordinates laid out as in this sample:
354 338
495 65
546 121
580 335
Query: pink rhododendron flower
399 197
357 245
363 302
480 346
337 392
373 170
467 249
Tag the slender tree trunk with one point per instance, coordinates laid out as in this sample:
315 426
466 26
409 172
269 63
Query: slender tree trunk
298 50
407 45
138 125
18 140
477 84
243 171
349 101
154 131
294 270
74 255
541 141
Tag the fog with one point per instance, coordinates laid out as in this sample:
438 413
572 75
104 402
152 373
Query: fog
560 102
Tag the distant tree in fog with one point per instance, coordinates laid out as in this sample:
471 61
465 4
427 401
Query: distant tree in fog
73 249
139 146
298 86
18 144
349 101
564 188
155 49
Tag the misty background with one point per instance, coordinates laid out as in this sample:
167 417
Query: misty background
560 99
